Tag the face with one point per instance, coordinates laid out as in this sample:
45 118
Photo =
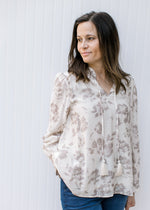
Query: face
88 43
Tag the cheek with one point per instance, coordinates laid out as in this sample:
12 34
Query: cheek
97 48
78 47
98 52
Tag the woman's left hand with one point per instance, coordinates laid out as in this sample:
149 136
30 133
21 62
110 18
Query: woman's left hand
130 202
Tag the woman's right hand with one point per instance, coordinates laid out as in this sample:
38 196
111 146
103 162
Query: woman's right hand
130 202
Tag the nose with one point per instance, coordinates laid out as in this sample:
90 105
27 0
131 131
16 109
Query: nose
84 44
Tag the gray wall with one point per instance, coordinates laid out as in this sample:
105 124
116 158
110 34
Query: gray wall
35 37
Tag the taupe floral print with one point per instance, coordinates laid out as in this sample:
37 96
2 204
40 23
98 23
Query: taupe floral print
74 140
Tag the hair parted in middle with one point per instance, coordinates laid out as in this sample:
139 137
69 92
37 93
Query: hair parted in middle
109 47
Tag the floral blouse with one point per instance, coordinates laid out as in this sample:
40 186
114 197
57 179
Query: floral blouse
86 124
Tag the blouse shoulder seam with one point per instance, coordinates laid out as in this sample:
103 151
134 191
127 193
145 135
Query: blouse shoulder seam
62 77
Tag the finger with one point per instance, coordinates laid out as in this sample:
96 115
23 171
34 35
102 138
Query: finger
131 204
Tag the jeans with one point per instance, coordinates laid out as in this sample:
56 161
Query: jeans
73 202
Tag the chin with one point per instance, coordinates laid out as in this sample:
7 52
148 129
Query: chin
86 60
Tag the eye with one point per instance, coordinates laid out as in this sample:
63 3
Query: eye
90 38
78 39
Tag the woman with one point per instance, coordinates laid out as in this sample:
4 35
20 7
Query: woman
92 137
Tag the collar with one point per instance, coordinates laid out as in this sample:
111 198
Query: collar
93 76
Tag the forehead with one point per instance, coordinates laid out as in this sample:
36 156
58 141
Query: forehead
86 28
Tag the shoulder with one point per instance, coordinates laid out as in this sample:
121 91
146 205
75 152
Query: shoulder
132 84
131 80
131 88
61 76
64 78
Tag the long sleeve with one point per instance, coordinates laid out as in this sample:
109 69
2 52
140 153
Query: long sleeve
59 107
135 138
75 143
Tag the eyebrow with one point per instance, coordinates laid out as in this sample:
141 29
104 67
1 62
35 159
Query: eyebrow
87 35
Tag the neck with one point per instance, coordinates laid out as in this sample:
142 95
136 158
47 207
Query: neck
99 70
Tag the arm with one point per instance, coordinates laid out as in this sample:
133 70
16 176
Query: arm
134 145
59 107
135 138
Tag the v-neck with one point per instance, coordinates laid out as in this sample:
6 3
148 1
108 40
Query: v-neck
94 75
110 91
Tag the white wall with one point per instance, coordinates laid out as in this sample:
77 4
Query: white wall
35 37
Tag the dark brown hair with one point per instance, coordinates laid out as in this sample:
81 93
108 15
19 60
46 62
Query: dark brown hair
109 46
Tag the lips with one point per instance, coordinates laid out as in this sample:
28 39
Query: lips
85 53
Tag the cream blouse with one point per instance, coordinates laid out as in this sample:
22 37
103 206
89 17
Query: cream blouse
87 125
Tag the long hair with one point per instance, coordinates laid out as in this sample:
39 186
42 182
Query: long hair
109 47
